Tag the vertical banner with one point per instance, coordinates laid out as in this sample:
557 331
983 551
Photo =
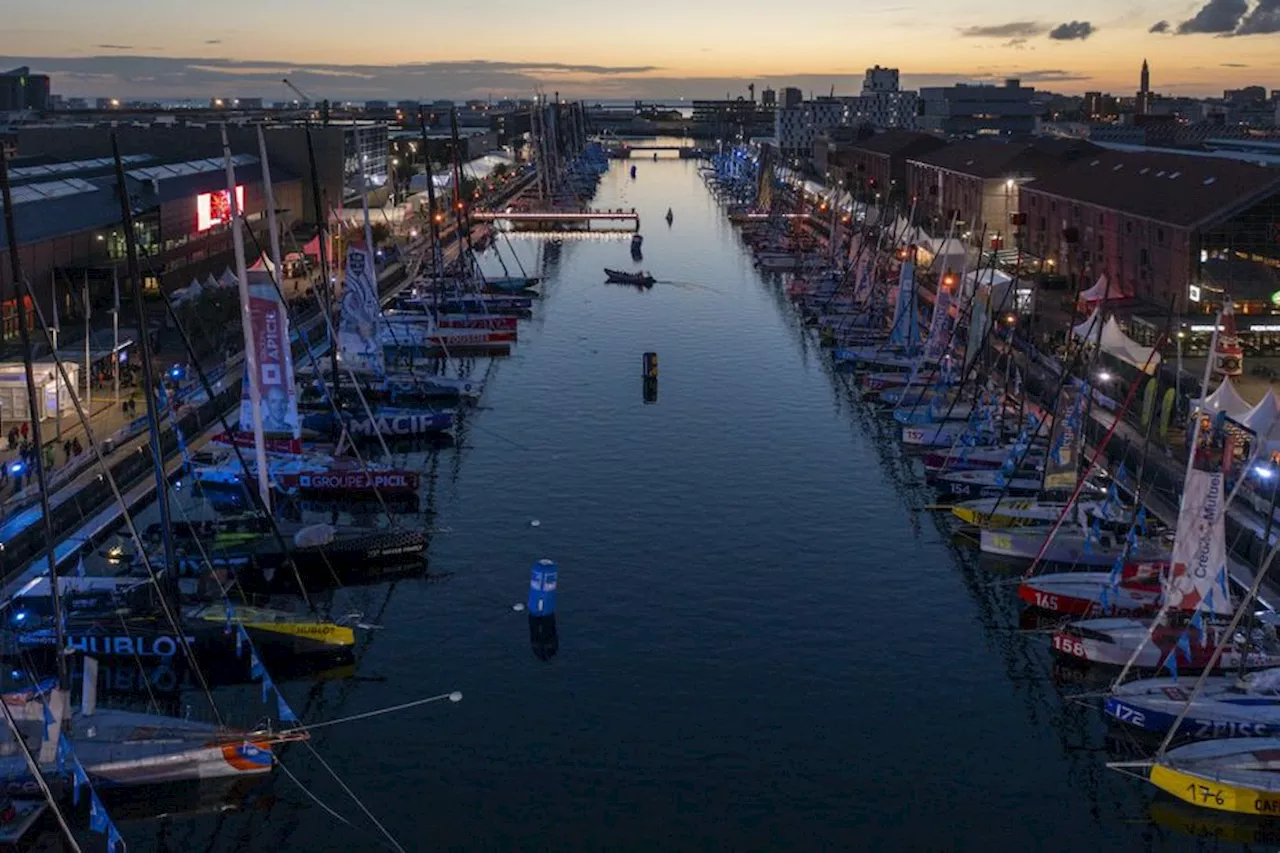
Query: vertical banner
358 342
276 390
939 326
904 332
979 321
1062 467
1197 580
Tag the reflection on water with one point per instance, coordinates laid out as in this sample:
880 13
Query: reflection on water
774 645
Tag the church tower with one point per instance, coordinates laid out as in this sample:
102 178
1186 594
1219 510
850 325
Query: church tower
1144 90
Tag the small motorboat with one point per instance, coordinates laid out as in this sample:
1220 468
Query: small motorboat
633 172
637 242
642 278
670 216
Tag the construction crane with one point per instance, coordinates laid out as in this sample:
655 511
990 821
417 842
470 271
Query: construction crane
308 101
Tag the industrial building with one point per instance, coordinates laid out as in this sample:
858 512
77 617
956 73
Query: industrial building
70 239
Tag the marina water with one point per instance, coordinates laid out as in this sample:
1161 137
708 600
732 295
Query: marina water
763 639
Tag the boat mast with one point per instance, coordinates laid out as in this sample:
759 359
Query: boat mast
325 294
23 291
437 252
246 324
464 230
148 378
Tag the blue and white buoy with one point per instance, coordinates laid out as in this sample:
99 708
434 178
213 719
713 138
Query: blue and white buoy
542 588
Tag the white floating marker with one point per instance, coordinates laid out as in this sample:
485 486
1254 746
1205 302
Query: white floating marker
517 607
535 523
455 696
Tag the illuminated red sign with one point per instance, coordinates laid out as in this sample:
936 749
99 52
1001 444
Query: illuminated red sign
215 208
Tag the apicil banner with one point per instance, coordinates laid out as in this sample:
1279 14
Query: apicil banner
277 393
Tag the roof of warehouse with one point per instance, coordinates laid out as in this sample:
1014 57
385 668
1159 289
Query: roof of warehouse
1179 189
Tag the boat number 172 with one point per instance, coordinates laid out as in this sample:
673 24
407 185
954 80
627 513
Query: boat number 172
1205 794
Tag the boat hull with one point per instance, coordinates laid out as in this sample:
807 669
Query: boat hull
1115 641
1080 594
1208 774
1155 704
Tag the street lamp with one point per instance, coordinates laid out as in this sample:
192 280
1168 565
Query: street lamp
1177 379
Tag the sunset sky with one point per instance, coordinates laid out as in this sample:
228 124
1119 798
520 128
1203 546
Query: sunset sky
659 49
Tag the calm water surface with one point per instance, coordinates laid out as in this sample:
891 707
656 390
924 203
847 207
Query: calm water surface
764 642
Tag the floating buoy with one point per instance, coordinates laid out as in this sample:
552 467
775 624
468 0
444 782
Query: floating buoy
455 696
650 365
518 607
542 588
535 523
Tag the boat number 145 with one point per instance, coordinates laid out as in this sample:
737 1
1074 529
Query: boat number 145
1205 794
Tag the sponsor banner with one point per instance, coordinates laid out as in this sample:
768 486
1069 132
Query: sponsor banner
904 332
276 391
979 321
358 341
1062 466
351 481
939 327
1200 545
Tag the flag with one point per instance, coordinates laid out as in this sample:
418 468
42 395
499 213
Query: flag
1105 599
227 630
1171 665
98 820
114 841
80 567
62 754
256 669
78 779
1184 645
267 685
283 710
1197 622
1140 520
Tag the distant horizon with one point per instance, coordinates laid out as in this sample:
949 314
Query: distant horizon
132 77
397 49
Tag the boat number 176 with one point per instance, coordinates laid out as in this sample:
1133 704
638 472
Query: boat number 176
1205 794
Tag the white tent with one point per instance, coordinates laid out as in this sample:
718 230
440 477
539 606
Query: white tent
190 293
1101 290
1226 399
211 283
227 279
987 275
1261 417
263 264
1115 342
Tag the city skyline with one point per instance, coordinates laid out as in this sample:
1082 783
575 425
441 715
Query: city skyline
149 50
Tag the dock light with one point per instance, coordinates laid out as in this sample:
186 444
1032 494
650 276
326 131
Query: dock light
1011 319
1266 472
17 468
1104 376
948 280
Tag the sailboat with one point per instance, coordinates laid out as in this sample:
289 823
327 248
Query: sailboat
1246 705
269 412
121 747
1198 588
127 748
